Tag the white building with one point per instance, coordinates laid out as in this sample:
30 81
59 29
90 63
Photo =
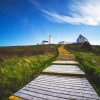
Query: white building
62 42
45 42
81 39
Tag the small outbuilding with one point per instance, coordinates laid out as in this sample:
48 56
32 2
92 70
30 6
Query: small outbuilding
45 42
62 42
81 39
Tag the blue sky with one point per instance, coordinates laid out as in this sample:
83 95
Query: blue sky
27 22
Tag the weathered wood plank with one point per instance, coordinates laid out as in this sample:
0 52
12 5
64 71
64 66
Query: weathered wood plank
61 90
51 87
65 62
39 95
64 70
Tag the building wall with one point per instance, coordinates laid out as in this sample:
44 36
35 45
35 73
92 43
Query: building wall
62 42
81 39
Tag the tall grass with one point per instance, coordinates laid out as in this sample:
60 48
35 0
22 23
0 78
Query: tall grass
19 51
15 73
89 61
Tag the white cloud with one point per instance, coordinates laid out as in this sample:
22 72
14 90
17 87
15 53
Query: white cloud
86 13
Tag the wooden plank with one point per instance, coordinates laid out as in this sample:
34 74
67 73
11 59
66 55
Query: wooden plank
65 62
63 85
55 94
59 90
51 87
64 70
39 95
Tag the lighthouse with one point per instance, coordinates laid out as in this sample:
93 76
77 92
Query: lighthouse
49 39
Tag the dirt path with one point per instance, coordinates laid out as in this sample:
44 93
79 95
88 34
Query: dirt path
64 54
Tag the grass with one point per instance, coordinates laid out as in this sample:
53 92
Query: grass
20 51
89 61
16 72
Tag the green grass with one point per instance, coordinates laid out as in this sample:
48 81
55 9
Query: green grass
20 51
20 65
89 61
15 73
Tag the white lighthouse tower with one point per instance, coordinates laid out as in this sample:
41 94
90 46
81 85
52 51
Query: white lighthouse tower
49 39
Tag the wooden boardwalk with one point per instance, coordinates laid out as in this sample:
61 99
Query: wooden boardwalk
63 80
64 70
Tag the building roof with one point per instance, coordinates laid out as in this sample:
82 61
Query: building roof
83 37
44 41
